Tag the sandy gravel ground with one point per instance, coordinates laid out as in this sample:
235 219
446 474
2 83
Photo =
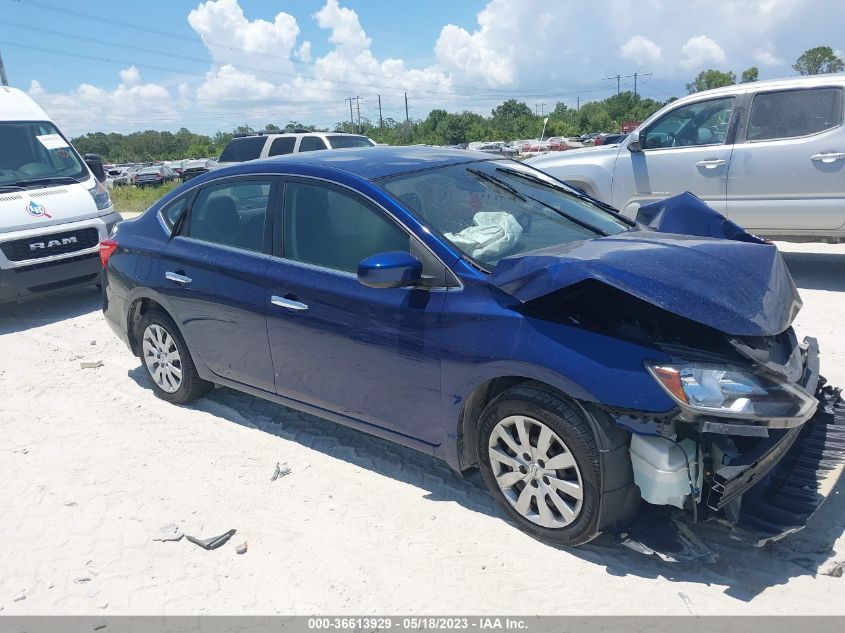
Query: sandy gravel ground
92 465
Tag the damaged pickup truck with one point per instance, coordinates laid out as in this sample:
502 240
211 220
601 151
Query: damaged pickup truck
477 309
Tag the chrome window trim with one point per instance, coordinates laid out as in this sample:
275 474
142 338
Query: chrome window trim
379 206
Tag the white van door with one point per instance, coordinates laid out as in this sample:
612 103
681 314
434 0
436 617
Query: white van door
687 149
789 170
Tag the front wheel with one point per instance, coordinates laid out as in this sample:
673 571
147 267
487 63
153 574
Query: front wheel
539 459
167 361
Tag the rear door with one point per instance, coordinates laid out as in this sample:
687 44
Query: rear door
687 149
789 173
310 143
214 275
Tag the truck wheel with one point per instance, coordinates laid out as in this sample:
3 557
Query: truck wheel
166 360
539 458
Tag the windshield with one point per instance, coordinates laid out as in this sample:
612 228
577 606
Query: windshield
491 209
36 151
340 142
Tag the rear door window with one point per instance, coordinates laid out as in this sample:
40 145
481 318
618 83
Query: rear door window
242 149
311 144
174 210
233 214
793 113
282 145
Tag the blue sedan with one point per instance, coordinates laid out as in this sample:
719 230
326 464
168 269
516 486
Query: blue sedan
474 308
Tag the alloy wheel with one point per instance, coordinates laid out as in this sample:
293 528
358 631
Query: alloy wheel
162 358
536 471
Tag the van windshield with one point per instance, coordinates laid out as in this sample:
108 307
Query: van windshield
35 151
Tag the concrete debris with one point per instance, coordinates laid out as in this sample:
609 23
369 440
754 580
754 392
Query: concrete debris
280 472
168 533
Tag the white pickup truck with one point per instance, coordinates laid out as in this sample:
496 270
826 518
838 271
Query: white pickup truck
53 211
769 155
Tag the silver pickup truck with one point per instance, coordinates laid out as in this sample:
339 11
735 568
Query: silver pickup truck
769 155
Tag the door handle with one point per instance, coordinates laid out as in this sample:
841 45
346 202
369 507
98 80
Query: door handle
711 164
290 304
179 279
830 157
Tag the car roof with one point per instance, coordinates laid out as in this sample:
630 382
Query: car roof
16 105
366 162
807 81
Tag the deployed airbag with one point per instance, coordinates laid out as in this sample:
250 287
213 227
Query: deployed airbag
492 234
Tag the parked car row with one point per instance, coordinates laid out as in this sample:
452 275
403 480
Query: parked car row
162 171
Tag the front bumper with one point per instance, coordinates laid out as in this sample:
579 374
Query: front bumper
777 494
25 278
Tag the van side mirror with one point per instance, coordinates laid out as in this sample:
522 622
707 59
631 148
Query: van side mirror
95 164
637 143
393 269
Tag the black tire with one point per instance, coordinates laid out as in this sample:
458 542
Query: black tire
543 405
192 386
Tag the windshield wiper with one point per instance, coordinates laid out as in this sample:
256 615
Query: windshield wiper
51 180
501 184
565 189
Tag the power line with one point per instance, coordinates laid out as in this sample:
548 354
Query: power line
492 92
617 77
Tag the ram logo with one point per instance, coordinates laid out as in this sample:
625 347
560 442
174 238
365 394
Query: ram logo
40 246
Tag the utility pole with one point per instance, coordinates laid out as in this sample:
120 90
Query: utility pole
358 105
638 74
380 119
3 79
407 118
617 77
351 120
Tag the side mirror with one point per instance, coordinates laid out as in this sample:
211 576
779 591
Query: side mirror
393 269
637 143
95 164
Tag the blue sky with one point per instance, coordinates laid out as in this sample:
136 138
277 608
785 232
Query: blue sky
217 64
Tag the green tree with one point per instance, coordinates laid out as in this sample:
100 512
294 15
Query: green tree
711 78
750 74
817 61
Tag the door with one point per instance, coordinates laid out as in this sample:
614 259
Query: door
687 149
789 173
367 353
214 276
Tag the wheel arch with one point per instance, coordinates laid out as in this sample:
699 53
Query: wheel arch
608 435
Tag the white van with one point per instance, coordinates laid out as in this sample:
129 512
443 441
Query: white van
53 211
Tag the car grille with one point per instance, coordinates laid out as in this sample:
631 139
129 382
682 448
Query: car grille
66 242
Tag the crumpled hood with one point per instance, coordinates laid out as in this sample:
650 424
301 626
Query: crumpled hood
740 288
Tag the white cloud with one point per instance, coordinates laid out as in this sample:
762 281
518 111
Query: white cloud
347 35
766 57
233 39
641 50
700 51
132 105
304 52
130 76
261 69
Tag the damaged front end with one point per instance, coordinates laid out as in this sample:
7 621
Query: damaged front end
756 438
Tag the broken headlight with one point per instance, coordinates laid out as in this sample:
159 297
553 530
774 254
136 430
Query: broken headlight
733 392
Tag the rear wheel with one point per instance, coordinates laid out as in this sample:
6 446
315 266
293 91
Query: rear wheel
167 361
540 461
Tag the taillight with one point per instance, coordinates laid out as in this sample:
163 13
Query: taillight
107 247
